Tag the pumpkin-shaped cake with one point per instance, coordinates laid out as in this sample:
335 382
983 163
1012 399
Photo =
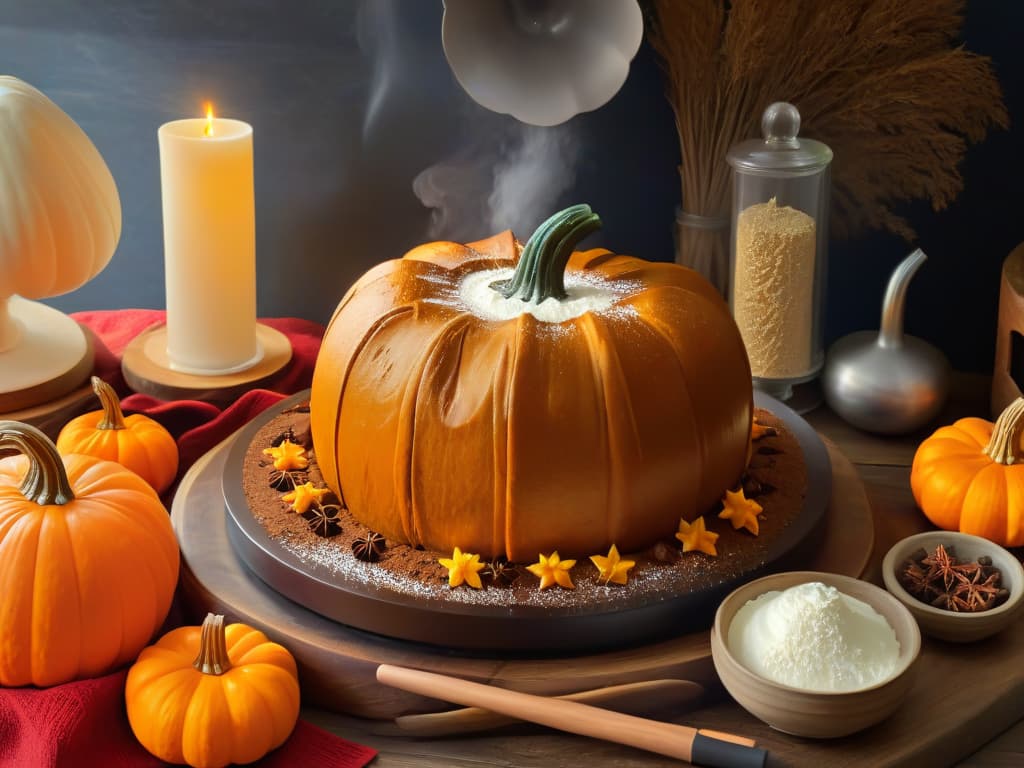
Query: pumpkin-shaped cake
513 400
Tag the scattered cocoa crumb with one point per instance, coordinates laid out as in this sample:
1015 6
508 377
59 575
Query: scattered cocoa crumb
406 571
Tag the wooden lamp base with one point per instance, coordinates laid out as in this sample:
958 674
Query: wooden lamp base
1008 376
50 358
147 369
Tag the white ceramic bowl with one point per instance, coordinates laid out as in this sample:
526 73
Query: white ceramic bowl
949 625
816 714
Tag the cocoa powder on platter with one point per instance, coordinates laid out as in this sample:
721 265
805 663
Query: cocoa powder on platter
777 474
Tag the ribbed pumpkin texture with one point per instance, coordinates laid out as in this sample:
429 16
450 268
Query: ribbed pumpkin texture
969 477
88 563
137 442
213 695
60 214
440 428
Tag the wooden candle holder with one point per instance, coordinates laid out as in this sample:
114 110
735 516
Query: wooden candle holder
147 369
44 380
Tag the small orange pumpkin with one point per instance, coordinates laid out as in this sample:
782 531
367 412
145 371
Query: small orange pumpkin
213 695
969 477
88 562
137 442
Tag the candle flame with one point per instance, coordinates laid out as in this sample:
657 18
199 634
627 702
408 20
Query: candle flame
208 130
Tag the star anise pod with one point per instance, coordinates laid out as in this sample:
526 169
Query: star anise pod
978 591
288 435
951 602
752 487
943 581
299 433
323 519
942 566
369 548
500 572
285 480
913 578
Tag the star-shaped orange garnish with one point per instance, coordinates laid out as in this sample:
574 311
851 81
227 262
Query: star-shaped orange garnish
740 511
553 570
287 455
305 496
463 567
757 431
696 537
612 568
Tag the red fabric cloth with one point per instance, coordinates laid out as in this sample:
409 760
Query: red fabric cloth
198 426
84 724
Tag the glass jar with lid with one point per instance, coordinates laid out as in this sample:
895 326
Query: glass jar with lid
779 250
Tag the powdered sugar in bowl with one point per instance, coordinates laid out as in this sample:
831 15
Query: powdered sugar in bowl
815 654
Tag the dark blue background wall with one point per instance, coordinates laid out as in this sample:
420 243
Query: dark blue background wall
351 101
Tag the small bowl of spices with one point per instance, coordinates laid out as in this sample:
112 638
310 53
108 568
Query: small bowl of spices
815 654
959 587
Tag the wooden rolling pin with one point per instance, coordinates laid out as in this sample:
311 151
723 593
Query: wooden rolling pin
645 697
678 741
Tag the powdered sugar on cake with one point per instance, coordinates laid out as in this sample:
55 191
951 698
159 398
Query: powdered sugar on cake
584 295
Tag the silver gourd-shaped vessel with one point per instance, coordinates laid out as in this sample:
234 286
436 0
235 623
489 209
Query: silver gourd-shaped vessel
889 383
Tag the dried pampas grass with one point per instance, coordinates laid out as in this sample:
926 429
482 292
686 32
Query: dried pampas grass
883 82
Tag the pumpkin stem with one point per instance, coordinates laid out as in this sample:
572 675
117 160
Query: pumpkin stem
213 650
113 416
46 481
1004 444
540 273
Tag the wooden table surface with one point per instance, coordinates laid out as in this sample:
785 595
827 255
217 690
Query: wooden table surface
967 706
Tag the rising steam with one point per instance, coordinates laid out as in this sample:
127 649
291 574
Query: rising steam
512 181
377 36
508 175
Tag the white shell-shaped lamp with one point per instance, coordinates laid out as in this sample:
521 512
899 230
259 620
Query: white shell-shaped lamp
541 61
60 221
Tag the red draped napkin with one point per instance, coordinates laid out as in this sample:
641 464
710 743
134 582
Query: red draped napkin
84 724
198 426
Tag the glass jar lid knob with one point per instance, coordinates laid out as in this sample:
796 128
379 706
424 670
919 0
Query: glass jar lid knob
781 150
780 123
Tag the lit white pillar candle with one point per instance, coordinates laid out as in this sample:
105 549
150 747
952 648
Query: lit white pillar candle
206 181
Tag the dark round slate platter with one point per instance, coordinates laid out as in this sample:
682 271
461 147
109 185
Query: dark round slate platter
369 606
